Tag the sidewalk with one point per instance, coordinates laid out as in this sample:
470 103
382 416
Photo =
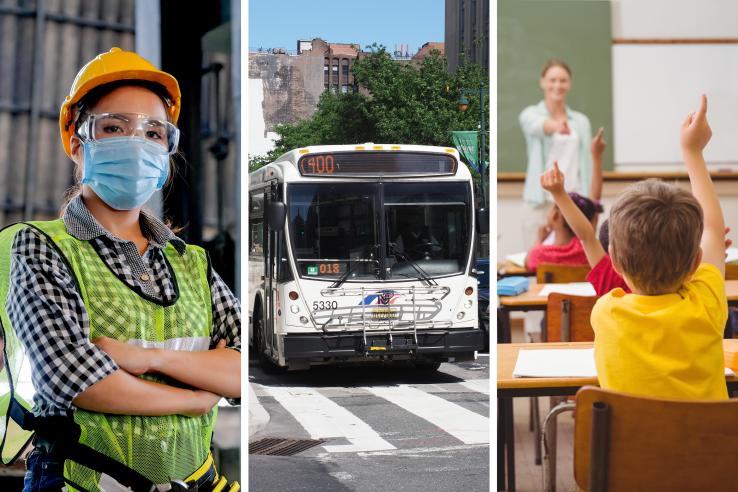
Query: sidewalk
258 417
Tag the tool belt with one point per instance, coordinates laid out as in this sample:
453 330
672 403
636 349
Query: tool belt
59 435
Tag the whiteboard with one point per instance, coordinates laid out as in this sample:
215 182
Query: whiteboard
655 87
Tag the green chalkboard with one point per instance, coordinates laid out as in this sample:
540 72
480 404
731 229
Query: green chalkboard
529 32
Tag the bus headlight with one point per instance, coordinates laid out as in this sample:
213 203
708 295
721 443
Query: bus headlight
460 315
303 320
468 304
294 309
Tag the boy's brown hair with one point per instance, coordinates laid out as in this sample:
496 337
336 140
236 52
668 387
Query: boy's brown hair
655 232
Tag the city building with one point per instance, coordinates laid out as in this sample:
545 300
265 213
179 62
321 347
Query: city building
338 60
467 32
426 49
285 85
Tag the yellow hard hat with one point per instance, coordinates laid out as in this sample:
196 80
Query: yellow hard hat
108 67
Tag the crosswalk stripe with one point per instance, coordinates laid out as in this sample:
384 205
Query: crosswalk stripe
422 451
478 385
465 425
323 418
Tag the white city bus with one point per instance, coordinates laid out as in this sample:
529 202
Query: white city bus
363 253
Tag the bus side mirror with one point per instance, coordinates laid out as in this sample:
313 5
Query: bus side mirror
276 212
483 221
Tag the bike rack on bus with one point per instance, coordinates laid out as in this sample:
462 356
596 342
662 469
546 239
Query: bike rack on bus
363 292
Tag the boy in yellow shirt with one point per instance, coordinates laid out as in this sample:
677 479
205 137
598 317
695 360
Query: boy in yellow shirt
665 339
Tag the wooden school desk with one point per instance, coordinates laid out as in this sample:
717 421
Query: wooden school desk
509 269
509 387
531 301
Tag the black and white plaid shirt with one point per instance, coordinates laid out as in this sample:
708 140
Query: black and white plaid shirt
50 317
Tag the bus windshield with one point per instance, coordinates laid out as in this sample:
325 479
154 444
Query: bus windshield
335 229
427 228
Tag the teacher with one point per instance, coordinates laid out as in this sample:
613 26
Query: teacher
553 132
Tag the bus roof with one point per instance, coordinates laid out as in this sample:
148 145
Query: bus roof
286 164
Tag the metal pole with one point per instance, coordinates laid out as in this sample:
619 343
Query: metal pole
37 80
547 444
235 63
599 447
481 145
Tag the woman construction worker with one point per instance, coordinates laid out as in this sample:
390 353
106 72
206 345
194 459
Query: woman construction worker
131 337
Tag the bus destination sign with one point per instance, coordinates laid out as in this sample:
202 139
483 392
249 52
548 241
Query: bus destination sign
370 164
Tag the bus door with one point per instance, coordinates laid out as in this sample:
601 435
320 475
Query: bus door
271 240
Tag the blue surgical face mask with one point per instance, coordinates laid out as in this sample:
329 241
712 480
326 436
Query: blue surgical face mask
124 171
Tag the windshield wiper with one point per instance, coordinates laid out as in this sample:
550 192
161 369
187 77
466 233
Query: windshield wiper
351 269
422 274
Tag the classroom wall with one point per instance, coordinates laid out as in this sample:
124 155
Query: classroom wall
674 18
656 85
509 211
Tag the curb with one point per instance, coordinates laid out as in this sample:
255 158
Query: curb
258 416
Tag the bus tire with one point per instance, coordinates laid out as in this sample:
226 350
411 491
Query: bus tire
484 326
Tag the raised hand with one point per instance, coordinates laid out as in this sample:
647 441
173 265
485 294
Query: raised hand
553 180
696 132
598 143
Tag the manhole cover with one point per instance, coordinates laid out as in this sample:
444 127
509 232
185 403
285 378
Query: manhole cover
277 446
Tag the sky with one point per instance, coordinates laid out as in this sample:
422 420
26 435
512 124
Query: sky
280 23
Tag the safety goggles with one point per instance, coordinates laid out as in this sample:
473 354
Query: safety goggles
106 125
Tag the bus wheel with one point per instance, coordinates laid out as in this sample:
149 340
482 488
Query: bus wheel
427 366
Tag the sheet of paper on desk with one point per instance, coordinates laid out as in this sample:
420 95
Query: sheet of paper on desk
731 255
519 258
574 288
555 363
560 363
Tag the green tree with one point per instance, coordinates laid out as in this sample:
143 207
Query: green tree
399 103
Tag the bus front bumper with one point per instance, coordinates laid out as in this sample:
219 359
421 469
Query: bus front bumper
432 345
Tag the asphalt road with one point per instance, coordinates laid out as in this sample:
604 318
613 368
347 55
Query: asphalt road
385 429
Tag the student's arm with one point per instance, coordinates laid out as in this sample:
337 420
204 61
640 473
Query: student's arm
124 394
217 370
695 134
597 148
553 181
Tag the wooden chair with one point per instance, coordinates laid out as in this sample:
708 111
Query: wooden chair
551 273
731 271
567 320
628 443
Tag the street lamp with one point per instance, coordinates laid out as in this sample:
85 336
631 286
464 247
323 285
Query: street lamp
463 105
